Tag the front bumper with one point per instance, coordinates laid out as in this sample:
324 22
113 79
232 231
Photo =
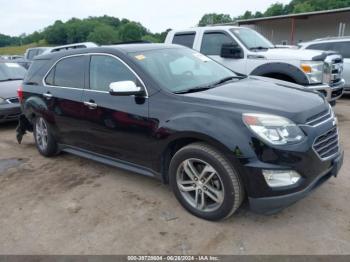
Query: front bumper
331 93
270 205
346 90
9 112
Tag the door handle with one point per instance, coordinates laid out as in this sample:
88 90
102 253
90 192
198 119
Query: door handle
48 95
90 105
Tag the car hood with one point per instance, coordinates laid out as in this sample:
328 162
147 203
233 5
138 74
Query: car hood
264 95
288 54
8 89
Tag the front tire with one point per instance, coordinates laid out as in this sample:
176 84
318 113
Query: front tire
205 183
44 140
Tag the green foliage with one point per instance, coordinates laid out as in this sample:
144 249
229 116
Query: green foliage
275 9
102 30
131 32
56 34
103 34
296 6
209 19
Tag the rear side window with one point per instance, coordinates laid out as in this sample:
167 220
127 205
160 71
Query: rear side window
323 46
36 72
185 39
68 72
342 47
213 41
105 70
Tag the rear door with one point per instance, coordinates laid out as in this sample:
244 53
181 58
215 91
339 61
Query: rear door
63 91
184 38
115 126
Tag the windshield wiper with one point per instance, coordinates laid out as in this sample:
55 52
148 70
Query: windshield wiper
194 89
10 79
226 79
210 86
259 48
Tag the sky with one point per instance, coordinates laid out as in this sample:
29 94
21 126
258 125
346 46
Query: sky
26 16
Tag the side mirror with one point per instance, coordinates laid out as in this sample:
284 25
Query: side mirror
231 51
125 88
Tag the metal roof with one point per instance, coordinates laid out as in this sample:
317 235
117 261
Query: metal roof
301 15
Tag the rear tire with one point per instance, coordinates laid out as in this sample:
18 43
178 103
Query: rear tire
205 182
44 140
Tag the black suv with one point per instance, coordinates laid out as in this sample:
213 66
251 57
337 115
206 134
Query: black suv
169 112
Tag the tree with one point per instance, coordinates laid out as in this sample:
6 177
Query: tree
56 34
131 32
210 19
275 9
103 34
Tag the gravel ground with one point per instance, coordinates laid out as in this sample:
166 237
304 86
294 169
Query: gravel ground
70 205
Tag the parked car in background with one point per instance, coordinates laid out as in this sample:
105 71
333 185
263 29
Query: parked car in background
339 44
172 113
11 57
17 59
31 53
247 52
11 76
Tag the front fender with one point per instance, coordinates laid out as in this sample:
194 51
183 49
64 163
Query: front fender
284 69
227 133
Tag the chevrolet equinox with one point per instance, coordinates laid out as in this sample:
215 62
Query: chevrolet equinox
169 112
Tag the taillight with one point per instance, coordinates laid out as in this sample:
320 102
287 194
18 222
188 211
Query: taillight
20 94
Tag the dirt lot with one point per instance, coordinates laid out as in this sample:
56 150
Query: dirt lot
69 205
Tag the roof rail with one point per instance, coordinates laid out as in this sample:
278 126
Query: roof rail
332 38
70 47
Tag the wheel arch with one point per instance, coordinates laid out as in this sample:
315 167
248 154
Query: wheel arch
281 70
182 140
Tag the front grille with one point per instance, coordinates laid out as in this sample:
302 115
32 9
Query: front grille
327 144
336 71
13 100
337 93
319 118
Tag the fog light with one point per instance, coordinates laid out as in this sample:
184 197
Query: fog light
279 178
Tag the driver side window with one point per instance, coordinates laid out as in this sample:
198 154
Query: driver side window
213 41
105 70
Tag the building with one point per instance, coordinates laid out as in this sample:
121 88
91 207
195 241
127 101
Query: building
295 28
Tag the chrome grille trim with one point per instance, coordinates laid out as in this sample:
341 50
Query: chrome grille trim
319 120
326 145
334 68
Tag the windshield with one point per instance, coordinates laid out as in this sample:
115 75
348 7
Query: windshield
251 39
180 69
11 71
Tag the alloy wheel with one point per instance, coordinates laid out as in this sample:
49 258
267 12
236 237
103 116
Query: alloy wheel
41 133
200 185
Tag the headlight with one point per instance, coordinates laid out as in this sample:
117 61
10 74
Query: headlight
274 129
2 101
314 71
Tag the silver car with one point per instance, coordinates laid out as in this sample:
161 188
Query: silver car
11 76
339 44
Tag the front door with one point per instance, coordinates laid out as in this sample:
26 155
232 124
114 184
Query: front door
116 126
212 42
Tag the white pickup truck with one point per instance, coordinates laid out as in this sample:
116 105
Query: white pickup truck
247 52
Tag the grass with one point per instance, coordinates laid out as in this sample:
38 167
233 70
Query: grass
15 50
